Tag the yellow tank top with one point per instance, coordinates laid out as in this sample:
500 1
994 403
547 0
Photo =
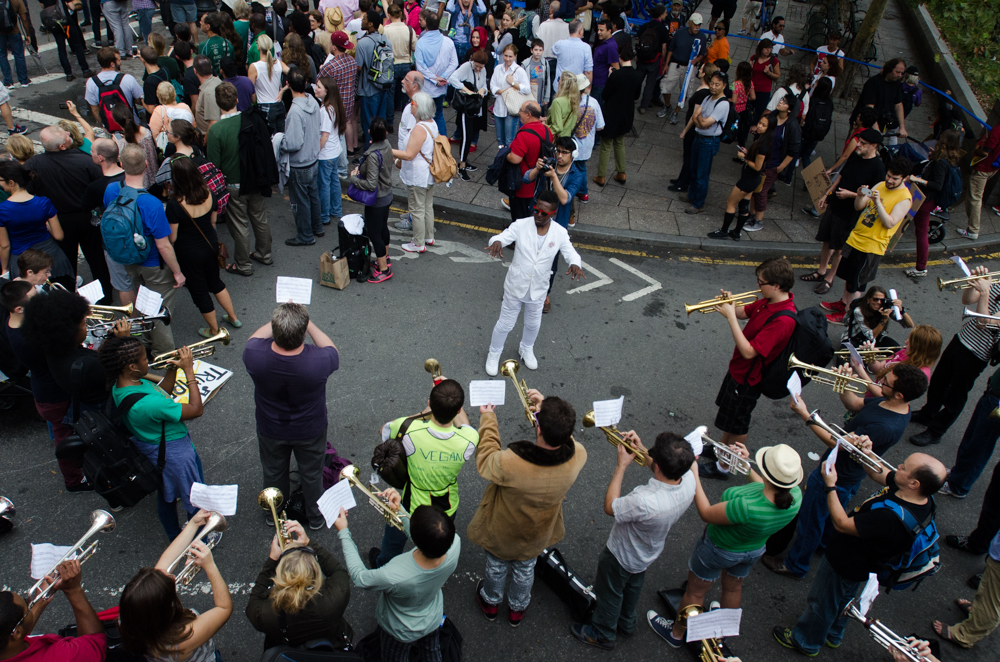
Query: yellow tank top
870 235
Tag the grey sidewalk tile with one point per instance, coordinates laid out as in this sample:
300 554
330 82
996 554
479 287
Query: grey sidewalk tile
605 216
488 197
460 191
798 231
646 220
610 194
696 226
771 232
636 200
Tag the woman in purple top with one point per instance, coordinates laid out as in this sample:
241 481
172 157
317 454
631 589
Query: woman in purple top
29 221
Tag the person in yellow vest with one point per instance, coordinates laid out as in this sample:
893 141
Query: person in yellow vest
882 208
437 446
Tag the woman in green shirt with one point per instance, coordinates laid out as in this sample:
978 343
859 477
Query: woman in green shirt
155 418
565 107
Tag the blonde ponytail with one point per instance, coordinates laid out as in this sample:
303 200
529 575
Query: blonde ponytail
297 580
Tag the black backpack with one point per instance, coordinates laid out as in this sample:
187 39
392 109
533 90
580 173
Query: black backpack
731 128
648 45
818 121
317 650
810 342
8 18
358 250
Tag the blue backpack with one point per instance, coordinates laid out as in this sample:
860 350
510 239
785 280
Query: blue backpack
924 557
121 227
952 189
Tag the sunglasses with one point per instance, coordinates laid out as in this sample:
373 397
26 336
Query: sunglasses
542 212
877 299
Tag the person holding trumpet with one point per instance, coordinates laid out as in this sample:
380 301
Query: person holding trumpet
920 349
156 421
643 519
770 327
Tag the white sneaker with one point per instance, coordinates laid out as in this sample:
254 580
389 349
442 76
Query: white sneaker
754 226
405 223
492 363
916 273
429 242
528 359
505 203
968 235
411 247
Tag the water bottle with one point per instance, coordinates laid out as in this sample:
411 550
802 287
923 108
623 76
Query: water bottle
140 241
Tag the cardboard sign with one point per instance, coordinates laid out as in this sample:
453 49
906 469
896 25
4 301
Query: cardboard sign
816 180
210 379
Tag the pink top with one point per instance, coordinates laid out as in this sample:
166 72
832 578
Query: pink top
53 648
899 357
741 96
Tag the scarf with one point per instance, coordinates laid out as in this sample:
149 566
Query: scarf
428 47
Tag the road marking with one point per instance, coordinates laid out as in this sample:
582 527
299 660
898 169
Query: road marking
603 280
654 285
35 116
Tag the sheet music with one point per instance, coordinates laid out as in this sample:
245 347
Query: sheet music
896 312
337 497
148 302
957 259
795 386
831 459
855 355
608 412
92 292
487 392
296 290
220 498
694 438
44 556
869 594
714 624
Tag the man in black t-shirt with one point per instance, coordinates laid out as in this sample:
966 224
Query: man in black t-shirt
865 542
154 76
651 53
884 93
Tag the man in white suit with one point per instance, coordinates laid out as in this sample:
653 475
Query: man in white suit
538 240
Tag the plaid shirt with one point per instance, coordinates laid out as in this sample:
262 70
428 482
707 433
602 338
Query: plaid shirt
344 70
143 4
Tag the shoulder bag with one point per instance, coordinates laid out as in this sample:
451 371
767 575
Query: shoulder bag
367 198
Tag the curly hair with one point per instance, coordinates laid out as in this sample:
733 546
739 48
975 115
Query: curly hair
116 354
52 322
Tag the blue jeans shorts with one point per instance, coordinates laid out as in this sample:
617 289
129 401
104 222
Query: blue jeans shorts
184 13
708 561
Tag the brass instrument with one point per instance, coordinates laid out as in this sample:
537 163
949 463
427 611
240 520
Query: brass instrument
964 283
727 456
137 325
107 313
199 350
100 520
7 512
216 524
51 285
433 366
885 637
985 320
509 368
392 517
270 498
874 354
839 382
708 306
711 649
614 437
870 461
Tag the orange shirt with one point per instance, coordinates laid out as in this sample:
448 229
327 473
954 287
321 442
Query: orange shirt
719 50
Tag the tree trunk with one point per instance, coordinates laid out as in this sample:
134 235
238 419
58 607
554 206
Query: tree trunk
859 46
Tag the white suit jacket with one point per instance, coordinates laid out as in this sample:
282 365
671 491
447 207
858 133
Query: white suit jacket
531 267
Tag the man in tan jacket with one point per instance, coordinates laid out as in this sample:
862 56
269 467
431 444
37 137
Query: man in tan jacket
520 513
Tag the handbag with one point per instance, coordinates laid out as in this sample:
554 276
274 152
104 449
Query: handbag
467 104
367 198
514 100
221 252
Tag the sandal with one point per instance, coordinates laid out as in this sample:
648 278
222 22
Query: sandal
233 269
258 258
823 287
206 332
964 606
813 277
236 324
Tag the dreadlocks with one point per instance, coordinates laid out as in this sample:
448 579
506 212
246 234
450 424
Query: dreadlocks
116 353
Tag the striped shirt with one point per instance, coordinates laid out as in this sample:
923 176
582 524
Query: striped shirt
977 339
752 518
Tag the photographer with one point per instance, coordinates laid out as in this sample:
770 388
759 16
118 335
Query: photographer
869 317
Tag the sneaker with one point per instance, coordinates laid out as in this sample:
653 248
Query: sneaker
996 210
471 168
404 223
492 363
82 486
673 117
463 175
711 471
472 148
810 211
974 581
70 78
454 141
830 644
489 611
505 203
835 318
380 276
833 306
941 213
925 438
373 555
429 242
642 111
17 130
754 226
410 247
528 357
317 526
743 32
588 635
718 234
515 617
662 112
664 627
970 235
946 489
916 273
784 637
584 197
962 543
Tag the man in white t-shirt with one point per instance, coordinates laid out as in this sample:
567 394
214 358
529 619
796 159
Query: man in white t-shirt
832 48
643 519
553 30
111 64
412 83
776 35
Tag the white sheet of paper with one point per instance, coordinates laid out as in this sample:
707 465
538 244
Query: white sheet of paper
220 498
831 459
296 290
795 386
896 312
714 624
855 354
92 292
148 302
44 556
337 497
694 438
869 594
957 259
487 392
608 412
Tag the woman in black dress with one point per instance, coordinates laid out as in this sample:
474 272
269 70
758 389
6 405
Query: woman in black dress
191 212
751 179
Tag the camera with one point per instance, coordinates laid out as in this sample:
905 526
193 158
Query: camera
548 163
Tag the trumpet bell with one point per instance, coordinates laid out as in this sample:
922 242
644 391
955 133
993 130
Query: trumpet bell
509 367
270 497
433 366
103 520
7 512
588 419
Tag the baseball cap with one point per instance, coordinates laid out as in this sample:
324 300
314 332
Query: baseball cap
696 18
340 40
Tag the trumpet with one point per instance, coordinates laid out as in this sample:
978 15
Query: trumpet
392 517
614 436
964 283
199 350
216 524
885 637
708 306
874 354
270 498
433 366
711 649
7 512
839 382
728 456
107 313
52 285
137 325
100 520
869 461
509 368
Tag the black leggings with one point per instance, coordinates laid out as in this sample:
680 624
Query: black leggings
465 126
377 228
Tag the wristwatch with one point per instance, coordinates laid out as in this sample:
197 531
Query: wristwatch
830 488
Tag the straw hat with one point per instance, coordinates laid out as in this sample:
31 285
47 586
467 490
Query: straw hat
780 464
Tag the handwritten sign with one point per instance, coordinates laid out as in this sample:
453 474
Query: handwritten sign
92 292
694 438
714 624
817 181
148 302
487 392
44 556
210 379
608 412
296 290
220 498
337 497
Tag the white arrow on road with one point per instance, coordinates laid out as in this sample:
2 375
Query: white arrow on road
602 280
654 285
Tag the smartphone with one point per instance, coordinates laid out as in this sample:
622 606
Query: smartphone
63 106
865 191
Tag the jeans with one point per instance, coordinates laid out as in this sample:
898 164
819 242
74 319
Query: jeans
377 105
400 99
54 413
15 44
166 511
275 116
952 379
116 12
702 153
247 212
822 621
618 145
506 129
393 542
309 456
813 518
617 592
330 201
805 154
977 446
439 115
708 560
342 161
921 230
760 105
521 580
76 44
161 281
509 311
651 72
303 194
95 17
145 22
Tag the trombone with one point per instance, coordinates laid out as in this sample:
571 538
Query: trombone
963 283
216 524
107 313
868 460
100 520
614 436
509 368
270 498
874 354
728 456
392 517
433 366
7 512
52 285
711 649
137 325
708 306
885 637
199 350
839 382
985 320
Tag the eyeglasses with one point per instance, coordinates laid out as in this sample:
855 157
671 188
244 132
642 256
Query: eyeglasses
762 283
542 212
563 151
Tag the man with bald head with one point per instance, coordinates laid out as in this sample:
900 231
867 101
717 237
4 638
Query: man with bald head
876 533
524 151
63 175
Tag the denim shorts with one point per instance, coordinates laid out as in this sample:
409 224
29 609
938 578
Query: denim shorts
184 13
707 560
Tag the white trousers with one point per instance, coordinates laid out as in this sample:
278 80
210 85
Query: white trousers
509 311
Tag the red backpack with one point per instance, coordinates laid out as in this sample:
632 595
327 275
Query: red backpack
110 95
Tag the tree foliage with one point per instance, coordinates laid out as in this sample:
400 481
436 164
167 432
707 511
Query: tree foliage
972 30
